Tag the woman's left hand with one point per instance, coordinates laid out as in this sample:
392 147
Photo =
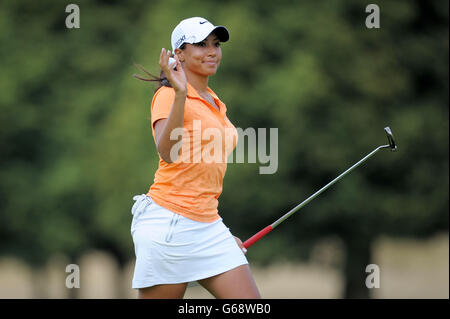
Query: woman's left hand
240 244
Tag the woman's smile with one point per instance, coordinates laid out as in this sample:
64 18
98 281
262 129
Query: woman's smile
210 63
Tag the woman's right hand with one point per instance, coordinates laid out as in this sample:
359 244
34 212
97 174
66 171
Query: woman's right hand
177 78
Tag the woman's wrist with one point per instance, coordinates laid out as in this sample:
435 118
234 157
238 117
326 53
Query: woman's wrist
180 93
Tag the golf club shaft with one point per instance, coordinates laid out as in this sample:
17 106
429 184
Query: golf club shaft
269 228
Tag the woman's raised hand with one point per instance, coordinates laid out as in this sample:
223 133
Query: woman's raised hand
177 78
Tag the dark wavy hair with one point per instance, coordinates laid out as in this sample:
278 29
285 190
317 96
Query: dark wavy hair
162 79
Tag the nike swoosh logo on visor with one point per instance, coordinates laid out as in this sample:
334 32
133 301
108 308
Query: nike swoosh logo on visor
203 22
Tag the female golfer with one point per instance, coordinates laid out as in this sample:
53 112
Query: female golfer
178 234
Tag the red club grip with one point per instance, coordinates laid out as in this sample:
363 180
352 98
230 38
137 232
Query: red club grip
257 236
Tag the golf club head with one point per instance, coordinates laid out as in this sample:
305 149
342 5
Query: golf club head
390 138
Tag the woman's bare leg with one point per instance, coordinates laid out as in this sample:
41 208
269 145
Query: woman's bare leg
237 283
172 291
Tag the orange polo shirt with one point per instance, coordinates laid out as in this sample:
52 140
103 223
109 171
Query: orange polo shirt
191 185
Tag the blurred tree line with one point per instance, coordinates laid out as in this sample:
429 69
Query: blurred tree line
76 141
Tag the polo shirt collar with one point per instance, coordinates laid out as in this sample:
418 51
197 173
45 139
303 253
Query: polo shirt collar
192 93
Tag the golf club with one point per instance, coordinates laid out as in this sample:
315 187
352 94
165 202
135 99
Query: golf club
392 146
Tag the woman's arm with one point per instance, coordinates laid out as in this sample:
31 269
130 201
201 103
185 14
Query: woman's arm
164 127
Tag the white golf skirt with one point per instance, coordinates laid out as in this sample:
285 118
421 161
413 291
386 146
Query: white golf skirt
171 248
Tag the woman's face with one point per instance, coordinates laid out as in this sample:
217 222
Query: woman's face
202 58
